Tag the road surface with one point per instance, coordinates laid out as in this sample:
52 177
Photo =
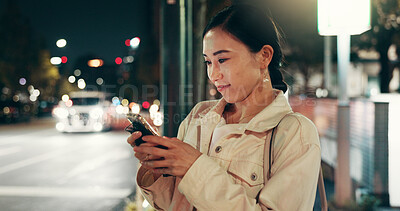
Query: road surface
42 169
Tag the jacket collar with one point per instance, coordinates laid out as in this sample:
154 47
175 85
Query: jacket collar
271 115
267 119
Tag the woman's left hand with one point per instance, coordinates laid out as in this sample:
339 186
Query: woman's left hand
178 158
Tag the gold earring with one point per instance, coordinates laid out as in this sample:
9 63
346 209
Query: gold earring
265 78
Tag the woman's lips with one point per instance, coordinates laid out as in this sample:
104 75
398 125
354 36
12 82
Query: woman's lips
223 87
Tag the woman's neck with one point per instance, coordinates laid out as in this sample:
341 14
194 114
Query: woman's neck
244 111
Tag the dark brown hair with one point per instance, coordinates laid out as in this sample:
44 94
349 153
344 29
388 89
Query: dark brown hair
254 28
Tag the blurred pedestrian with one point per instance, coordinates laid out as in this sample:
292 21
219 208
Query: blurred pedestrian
246 151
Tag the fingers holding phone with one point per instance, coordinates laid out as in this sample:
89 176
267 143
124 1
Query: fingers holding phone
175 160
133 137
132 141
139 123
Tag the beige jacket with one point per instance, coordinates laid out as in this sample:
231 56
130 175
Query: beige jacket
231 175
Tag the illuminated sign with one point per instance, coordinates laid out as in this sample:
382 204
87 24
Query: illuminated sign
343 17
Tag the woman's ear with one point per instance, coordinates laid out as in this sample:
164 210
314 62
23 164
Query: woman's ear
265 54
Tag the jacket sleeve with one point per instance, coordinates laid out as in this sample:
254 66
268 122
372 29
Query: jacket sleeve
159 193
292 185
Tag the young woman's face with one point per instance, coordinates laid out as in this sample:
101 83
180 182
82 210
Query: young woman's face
232 68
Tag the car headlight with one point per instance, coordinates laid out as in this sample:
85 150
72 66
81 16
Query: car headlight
61 113
96 113
135 109
119 109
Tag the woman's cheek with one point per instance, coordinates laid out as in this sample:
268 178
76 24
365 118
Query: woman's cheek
226 71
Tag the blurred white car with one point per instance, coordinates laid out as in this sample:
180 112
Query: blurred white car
84 111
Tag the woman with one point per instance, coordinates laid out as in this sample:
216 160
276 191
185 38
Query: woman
223 158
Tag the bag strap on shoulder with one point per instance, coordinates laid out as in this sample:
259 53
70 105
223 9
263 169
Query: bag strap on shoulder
321 186
270 153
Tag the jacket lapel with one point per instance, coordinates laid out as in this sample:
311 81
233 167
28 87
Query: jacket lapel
208 123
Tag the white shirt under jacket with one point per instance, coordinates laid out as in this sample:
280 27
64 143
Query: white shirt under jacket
230 175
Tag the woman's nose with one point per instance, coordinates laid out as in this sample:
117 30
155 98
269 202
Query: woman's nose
214 73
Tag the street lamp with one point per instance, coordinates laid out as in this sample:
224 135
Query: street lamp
61 43
71 79
22 81
55 60
343 18
77 72
134 43
81 84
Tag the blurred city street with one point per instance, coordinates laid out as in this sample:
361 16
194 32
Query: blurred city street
43 169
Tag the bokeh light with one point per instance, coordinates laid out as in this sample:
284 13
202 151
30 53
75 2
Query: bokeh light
118 60
30 89
55 60
71 79
6 110
116 101
64 59
81 84
157 119
145 105
65 98
135 108
36 92
157 102
99 81
69 103
77 72
128 59
128 42
22 81
153 108
125 102
95 63
213 92
33 98
61 43
135 42
5 90
122 109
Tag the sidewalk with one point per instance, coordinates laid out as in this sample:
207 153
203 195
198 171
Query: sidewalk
330 193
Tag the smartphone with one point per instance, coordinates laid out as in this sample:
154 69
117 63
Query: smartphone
139 123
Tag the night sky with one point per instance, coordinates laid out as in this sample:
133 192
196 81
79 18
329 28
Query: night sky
97 27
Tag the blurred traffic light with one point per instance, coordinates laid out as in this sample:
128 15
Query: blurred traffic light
128 42
145 105
118 60
64 59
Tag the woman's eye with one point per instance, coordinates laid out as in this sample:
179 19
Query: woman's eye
222 60
207 62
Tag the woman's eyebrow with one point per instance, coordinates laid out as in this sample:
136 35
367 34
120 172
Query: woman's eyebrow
218 52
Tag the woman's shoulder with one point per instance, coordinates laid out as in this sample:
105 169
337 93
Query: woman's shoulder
301 126
203 107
